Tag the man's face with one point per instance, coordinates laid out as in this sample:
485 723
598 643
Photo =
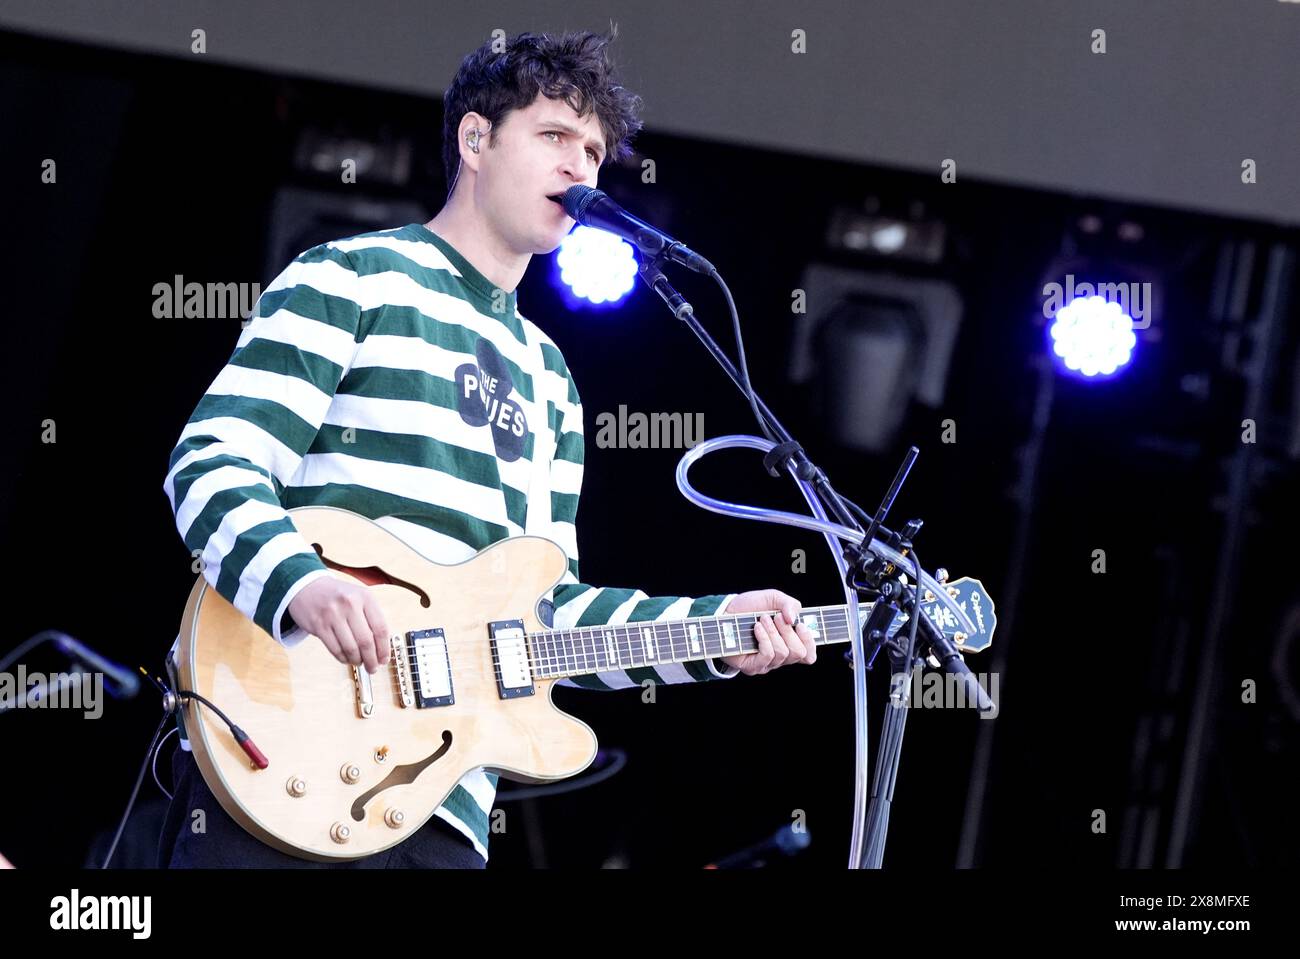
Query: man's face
534 153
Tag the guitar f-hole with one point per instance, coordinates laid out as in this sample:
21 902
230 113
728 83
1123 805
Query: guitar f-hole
401 776
372 576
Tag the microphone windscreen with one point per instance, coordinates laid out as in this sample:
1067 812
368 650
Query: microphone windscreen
578 199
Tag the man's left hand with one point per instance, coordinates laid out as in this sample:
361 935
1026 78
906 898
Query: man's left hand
779 642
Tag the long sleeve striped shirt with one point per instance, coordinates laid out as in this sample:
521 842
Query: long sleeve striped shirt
385 375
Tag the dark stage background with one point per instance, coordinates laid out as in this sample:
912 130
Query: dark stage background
169 167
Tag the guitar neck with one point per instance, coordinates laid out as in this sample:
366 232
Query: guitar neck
559 653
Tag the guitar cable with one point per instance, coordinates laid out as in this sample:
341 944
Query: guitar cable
172 700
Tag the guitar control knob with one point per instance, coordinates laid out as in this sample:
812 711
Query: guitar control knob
297 787
395 818
340 833
351 773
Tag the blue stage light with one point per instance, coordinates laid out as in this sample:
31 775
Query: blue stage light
597 266
1093 337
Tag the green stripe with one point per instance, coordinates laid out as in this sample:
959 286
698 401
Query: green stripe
564 508
215 509
570 448
462 805
381 260
650 608
302 299
604 606
407 321
474 532
410 449
280 421
272 356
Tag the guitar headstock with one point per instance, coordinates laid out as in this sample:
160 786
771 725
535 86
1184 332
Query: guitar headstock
971 598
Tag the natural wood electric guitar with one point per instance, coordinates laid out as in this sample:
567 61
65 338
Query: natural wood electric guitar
347 764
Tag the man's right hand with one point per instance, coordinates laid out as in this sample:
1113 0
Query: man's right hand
346 618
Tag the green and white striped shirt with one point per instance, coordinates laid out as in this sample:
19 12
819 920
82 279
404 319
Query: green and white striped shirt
385 375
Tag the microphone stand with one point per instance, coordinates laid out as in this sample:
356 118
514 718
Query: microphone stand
872 578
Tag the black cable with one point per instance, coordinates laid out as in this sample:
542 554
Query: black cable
136 791
740 355
190 694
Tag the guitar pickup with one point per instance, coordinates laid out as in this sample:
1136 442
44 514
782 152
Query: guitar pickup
510 658
430 668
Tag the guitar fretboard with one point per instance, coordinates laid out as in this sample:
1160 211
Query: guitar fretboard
558 653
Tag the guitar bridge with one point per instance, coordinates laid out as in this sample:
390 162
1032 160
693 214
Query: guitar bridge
401 665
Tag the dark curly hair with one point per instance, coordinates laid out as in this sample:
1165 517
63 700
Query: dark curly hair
573 67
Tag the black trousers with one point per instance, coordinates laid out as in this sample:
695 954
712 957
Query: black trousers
224 844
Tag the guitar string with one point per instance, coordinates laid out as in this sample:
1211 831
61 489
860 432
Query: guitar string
539 661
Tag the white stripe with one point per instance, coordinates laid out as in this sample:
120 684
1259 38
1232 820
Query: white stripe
325 276
397 289
673 673
306 400
620 615
568 614
414 417
565 536
413 482
678 609
422 252
616 680
480 787
245 439
309 335
234 524
566 477
210 484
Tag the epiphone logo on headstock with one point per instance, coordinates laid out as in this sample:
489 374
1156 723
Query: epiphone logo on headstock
977 609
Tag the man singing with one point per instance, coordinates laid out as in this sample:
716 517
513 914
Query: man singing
392 374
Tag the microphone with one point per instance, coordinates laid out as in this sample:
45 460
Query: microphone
594 208
120 682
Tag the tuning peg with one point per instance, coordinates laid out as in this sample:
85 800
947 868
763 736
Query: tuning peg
941 575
